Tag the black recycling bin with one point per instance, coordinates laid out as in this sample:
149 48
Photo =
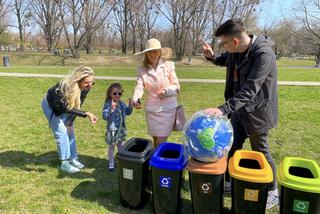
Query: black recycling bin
6 62
167 164
251 177
207 185
133 169
299 180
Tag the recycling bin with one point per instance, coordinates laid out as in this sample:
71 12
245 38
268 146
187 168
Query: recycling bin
133 168
251 177
167 164
299 183
207 185
6 62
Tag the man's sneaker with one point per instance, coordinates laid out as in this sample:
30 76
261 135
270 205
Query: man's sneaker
227 187
76 163
67 167
273 199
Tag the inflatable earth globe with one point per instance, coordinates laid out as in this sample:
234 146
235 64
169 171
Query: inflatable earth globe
208 137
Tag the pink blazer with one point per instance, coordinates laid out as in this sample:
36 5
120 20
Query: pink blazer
155 81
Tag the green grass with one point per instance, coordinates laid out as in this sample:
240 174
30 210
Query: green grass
29 178
284 73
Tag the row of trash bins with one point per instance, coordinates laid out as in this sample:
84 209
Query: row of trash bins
143 172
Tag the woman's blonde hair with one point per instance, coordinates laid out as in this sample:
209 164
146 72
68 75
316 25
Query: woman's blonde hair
69 86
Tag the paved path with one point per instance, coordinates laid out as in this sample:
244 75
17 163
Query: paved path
134 78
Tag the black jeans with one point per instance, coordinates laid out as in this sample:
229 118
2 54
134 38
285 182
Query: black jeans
258 142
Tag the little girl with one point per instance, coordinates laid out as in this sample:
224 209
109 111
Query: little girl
114 112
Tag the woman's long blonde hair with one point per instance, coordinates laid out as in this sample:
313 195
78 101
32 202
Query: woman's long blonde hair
69 86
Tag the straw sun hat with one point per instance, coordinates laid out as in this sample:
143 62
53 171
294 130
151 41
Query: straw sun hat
154 44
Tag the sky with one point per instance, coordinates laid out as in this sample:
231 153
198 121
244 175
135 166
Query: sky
274 10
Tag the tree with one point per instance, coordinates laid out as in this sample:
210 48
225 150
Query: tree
4 13
307 14
21 10
179 13
46 15
121 16
147 18
95 15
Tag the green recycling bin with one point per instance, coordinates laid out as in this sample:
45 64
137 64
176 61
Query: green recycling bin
299 182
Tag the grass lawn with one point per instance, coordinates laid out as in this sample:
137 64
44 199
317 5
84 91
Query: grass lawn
29 178
284 73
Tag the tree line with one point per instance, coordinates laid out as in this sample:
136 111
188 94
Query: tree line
180 24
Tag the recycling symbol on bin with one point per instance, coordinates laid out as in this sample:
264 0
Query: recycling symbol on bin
206 188
300 206
165 182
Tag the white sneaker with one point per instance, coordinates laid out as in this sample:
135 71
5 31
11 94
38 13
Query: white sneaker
76 163
273 199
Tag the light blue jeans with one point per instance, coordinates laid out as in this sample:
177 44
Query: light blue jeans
64 135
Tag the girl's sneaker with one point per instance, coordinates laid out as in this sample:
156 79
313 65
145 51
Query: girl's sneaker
67 167
111 167
76 163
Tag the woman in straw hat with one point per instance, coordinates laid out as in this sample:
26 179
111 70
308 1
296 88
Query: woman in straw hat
158 77
61 105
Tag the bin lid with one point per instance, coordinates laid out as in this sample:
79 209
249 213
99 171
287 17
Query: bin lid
250 166
299 174
169 156
199 167
136 149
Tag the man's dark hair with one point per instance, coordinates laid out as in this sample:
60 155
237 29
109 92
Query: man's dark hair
230 28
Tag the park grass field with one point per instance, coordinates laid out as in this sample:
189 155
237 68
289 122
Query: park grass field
30 181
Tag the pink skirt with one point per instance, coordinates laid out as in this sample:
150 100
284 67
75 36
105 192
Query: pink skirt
160 124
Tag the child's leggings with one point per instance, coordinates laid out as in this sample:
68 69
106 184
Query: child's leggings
111 152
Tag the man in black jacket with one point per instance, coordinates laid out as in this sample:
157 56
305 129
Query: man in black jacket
251 91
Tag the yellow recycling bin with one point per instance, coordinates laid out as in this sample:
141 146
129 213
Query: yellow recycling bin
251 176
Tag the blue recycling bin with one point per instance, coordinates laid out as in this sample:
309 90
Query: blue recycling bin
167 164
133 169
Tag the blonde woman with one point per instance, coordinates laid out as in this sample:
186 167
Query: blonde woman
61 105
158 77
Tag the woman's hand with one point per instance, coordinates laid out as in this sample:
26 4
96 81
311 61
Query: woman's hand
93 119
130 103
163 93
137 104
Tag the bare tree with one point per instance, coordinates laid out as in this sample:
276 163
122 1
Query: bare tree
121 16
4 13
46 15
243 9
147 18
179 13
199 24
21 11
307 14
95 15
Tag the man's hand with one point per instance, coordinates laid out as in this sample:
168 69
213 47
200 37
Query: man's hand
207 50
214 111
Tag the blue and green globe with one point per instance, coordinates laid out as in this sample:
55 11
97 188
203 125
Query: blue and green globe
208 137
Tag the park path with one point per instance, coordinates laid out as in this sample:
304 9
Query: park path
221 81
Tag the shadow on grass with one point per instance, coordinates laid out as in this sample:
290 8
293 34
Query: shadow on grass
102 188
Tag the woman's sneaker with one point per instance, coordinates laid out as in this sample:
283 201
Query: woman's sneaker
76 163
67 167
273 199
